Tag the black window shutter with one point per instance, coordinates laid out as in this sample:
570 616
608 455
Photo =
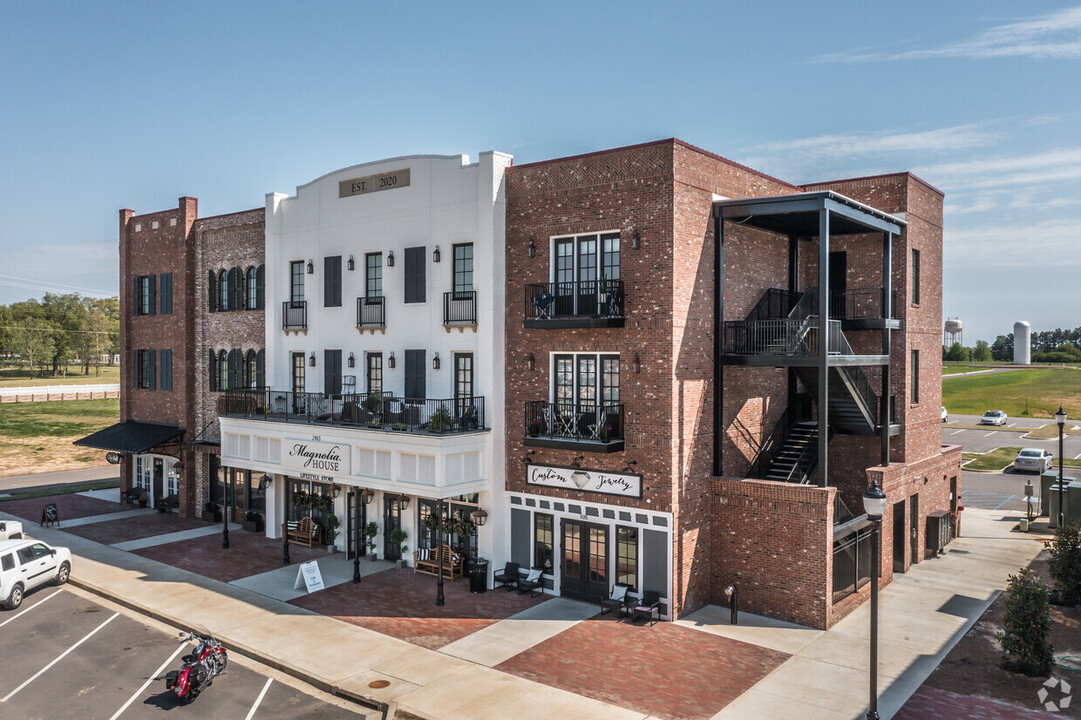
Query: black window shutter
238 288
166 369
260 275
152 364
414 374
332 372
332 281
166 302
414 275
153 294
137 307
212 292
135 369
212 371
260 366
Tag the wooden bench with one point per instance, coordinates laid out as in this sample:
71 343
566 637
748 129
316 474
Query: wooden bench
303 532
168 503
428 561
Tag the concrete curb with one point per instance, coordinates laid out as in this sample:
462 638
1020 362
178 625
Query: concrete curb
388 709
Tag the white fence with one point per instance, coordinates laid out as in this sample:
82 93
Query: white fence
45 393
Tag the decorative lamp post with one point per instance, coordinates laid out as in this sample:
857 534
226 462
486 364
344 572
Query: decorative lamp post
225 514
1060 418
358 500
439 600
874 504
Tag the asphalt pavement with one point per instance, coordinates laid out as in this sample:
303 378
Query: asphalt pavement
81 657
60 477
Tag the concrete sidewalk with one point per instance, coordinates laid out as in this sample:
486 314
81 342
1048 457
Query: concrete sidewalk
923 614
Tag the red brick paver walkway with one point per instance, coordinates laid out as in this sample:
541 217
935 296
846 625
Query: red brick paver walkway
401 604
69 507
666 670
110 532
929 703
249 553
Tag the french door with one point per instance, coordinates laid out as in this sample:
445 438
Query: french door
392 518
584 565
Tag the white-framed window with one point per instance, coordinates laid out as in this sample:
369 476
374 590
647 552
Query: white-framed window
144 472
585 379
172 479
585 258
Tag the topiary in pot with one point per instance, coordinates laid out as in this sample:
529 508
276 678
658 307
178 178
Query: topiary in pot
1026 622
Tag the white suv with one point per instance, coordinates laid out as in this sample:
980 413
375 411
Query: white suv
26 564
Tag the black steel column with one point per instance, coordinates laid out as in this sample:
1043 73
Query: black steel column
876 530
358 503
793 286
718 339
887 315
439 549
225 509
1061 477
823 343
285 519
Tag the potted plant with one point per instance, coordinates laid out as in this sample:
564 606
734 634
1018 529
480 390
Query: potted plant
212 511
604 432
370 531
374 403
440 420
331 527
397 538
253 521
398 426
143 499
536 427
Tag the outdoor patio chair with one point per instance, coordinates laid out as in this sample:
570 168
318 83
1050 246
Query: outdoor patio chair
532 583
542 305
508 578
617 600
649 607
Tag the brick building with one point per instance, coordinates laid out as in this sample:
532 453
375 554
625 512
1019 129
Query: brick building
663 363
191 326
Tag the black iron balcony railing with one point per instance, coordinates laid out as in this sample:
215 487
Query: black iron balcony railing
774 304
862 304
295 315
574 421
460 307
371 312
792 336
585 298
851 563
375 411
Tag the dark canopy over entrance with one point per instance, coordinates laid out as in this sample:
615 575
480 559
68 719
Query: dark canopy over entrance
131 437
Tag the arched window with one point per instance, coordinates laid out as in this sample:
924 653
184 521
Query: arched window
253 290
236 289
251 371
212 367
223 291
223 370
236 368
212 292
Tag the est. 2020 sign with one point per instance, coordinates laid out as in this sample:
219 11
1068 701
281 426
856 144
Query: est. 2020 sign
598 481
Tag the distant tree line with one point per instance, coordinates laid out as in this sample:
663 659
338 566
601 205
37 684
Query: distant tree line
47 335
1051 346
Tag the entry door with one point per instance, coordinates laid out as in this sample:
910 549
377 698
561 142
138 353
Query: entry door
899 537
584 570
158 481
392 518
838 283
914 528
355 519
298 384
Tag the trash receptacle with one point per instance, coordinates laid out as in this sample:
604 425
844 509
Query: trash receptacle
478 576
1053 493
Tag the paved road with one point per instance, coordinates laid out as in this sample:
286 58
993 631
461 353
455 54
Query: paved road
68 654
991 437
60 477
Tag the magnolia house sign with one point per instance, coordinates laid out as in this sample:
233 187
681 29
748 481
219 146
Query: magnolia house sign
598 481
317 457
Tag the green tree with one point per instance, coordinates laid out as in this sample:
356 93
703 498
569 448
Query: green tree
1064 565
1002 348
1026 622
67 315
956 353
32 336
982 352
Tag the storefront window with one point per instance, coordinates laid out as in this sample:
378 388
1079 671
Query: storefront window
256 495
627 557
217 480
172 479
458 514
143 464
542 542
309 499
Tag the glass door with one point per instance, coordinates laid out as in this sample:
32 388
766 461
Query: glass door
392 518
584 566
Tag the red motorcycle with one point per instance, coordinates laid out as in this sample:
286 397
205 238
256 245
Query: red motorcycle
199 669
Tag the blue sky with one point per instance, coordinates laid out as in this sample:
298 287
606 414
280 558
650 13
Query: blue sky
109 105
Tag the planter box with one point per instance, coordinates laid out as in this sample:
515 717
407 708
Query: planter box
254 525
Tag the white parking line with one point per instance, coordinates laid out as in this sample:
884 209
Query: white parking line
958 432
1011 424
62 655
990 434
251 713
149 680
26 610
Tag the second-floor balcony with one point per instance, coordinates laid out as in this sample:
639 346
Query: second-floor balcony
576 304
295 315
374 411
578 426
371 313
460 309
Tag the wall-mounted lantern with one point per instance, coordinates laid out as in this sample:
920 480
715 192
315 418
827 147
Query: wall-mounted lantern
311 267
435 254
390 259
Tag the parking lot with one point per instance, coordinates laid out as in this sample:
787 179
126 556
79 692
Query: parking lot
68 654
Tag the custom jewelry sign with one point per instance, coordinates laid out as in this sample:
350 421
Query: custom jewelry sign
598 481
316 457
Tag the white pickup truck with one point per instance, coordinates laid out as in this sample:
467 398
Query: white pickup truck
11 530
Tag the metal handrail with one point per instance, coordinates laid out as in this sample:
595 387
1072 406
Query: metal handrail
295 314
857 380
862 303
578 298
371 311
775 303
773 444
460 306
574 421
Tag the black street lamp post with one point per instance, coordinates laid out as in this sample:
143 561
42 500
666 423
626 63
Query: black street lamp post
225 515
439 600
357 527
1060 418
874 503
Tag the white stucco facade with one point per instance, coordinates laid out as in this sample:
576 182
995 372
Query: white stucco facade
425 202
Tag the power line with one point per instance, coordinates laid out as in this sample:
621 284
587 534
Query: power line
60 330
32 284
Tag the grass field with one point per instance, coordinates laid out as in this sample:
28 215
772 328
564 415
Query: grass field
999 458
14 377
1035 392
37 437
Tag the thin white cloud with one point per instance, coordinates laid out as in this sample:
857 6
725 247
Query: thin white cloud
1029 200
1054 36
1050 166
958 137
1052 242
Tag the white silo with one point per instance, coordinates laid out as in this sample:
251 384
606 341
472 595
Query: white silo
1022 341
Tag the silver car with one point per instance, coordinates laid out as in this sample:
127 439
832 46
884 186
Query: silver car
993 417
1032 460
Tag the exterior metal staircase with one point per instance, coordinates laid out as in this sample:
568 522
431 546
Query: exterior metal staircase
798 456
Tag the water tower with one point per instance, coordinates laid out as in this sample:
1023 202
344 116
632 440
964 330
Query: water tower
1022 339
954 333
